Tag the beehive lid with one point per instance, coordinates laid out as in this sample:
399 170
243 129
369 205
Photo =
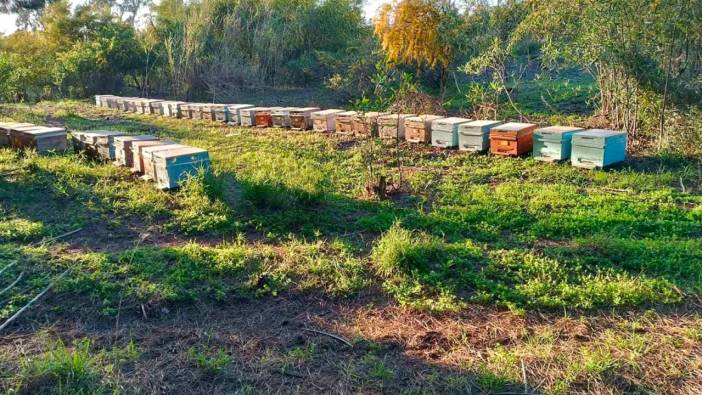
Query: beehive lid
11 125
284 110
451 121
347 114
136 138
481 123
176 152
601 133
150 143
45 132
514 127
424 118
24 128
326 113
256 109
101 133
239 106
166 145
558 129
307 109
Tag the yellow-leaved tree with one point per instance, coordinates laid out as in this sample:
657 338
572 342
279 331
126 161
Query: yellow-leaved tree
410 33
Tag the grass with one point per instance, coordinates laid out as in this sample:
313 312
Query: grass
285 215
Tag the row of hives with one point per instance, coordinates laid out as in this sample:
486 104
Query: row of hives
594 148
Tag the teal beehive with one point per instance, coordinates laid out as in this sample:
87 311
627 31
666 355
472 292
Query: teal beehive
553 143
175 165
598 148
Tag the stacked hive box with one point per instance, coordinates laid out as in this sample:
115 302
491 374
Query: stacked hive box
138 152
418 129
598 148
553 143
324 121
301 118
344 122
221 113
123 148
512 139
41 138
392 126
147 157
444 132
264 117
281 117
173 165
475 136
234 113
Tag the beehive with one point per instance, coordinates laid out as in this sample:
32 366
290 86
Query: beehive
281 117
97 100
5 131
553 143
155 107
598 148
344 122
444 132
392 126
512 139
89 141
418 129
133 104
264 117
209 111
146 153
248 116
105 144
123 104
138 152
123 148
234 113
323 121
366 124
171 109
220 112
475 136
301 118
40 138
174 165
142 106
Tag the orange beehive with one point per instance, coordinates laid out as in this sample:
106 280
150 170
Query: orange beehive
512 139
366 124
264 117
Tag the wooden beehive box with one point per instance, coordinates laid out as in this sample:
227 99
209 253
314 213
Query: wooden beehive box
5 131
344 122
366 124
41 138
281 117
264 117
248 116
169 108
598 148
392 126
122 104
174 165
155 107
444 132
208 111
323 121
301 119
97 100
418 129
512 139
147 159
234 113
221 113
133 104
553 143
123 148
138 152
89 142
105 143
475 136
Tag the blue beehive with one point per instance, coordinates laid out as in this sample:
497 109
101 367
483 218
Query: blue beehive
553 143
598 148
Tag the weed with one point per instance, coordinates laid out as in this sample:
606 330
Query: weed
212 362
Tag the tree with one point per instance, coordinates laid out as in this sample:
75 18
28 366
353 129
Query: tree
415 32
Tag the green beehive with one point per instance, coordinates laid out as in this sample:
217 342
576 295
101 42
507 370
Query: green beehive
598 148
553 143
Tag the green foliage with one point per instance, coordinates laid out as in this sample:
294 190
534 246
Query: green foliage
73 370
19 229
201 208
211 361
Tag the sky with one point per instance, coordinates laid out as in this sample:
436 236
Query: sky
7 22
